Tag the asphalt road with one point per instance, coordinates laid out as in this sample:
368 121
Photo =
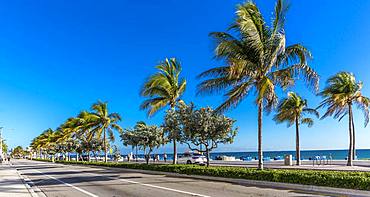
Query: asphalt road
66 180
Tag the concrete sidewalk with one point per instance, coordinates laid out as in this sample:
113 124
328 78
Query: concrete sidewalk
11 184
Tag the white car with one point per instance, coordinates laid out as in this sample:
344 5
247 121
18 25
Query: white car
192 158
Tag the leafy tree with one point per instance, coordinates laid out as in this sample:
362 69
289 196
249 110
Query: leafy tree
292 110
204 127
152 137
97 145
18 152
172 125
148 137
131 138
342 91
116 153
257 60
86 145
162 89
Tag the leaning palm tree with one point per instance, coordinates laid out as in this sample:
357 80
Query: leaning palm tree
45 141
257 60
292 110
100 122
36 145
343 91
164 88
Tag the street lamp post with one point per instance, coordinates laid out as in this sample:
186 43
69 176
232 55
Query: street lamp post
1 143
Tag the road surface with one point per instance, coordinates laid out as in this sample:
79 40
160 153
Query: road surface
67 180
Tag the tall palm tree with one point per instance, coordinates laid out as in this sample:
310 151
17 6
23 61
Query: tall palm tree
100 122
340 94
164 88
292 110
257 60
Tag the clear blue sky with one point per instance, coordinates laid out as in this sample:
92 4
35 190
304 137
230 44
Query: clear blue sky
58 57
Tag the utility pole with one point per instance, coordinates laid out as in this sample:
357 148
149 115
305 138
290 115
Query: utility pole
1 143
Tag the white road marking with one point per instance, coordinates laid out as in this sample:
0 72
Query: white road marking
128 181
150 185
164 188
67 184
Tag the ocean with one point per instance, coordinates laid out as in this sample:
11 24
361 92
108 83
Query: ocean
305 154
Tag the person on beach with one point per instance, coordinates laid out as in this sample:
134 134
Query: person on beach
157 157
165 157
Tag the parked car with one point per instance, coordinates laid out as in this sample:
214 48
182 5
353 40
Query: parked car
192 158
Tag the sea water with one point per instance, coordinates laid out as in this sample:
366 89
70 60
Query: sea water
305 154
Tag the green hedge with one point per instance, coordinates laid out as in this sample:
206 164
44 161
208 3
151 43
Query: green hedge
338 179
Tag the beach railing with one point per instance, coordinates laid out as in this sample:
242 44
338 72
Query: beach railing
321 160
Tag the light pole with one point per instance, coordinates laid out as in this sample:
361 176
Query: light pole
1 143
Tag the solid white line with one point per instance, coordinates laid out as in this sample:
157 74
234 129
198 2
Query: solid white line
164 188
70 185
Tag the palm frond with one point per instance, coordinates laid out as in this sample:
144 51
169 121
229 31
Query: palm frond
164 87
234 96
311 111
281 8
307 121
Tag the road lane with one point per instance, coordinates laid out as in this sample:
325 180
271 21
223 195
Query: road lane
67 180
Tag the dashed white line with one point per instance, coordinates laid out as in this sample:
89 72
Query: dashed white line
164 188
67 184
150 185
127 181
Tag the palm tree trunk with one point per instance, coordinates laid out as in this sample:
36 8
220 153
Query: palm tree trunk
88 155
174 151
174 139
105 148
350 156
208 156
260 154
298 153
136 154
354 140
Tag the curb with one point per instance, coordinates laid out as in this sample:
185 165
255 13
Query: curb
31 187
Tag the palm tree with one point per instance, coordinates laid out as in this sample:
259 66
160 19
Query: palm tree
257 60
292 110
45 141
341 92
76 129
164 88
36 145
100 122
